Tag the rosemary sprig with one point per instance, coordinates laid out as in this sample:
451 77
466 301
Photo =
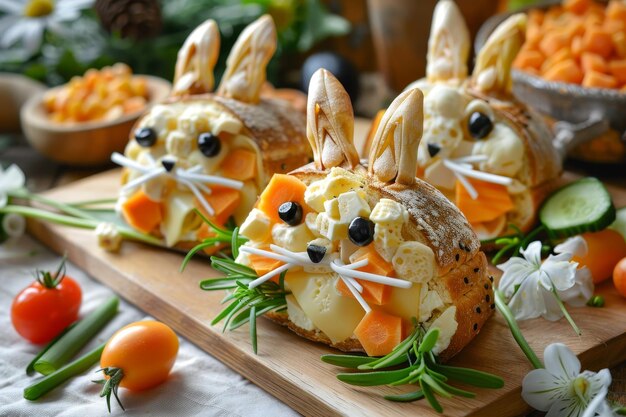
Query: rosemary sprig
244 304
414 363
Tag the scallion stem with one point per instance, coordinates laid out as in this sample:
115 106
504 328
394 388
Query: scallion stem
30 368
64 208
56 378
515 330
70 343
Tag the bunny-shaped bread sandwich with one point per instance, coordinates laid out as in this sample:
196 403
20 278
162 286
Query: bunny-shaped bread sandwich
484 150
364 250
214 152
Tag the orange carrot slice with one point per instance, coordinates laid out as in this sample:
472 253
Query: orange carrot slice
566 71
379 332
617 67
593 62
598 40
240 164
281 189
492 202
141 212
598 80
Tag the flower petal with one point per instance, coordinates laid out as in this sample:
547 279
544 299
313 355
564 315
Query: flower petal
532 253
562 274
516 270
34 37
598 404
540 389
12 179
4 199
581 292
12 6
14 33
527 302
567 406
576 246
552 310
561 362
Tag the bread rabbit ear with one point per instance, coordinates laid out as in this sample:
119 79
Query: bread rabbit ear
330 123
196 60
448 44
393 155
247 61
492 73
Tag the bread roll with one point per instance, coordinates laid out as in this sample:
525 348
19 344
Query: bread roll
210 151
328 216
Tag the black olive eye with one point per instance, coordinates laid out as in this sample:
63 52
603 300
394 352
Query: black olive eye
479 125
145 137
209 144
291 213
361 231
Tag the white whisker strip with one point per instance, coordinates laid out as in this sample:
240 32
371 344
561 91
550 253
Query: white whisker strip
300 257
150 159
143 179
120 159
467 185
269 275
198 195
357 295
195 169
211 179
357 265
394 282
354 283
479 175
203 187
267 254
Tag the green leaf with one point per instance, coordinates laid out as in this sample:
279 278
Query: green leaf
374 378
457 391
253 328
430 397
432 382
347 361
470 376
428 342
397 355
405 398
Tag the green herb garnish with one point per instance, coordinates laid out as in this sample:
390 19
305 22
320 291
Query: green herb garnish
244 304
413 362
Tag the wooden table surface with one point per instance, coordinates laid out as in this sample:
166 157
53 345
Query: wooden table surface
43 174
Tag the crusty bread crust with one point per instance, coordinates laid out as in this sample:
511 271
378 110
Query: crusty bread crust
467 286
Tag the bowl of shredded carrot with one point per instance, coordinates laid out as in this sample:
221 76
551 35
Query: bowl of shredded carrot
572 66
82 122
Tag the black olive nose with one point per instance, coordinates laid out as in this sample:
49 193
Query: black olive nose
433 149
168 165
316 253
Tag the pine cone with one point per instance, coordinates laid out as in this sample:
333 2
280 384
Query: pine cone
135 19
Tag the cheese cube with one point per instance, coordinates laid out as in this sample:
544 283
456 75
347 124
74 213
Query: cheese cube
310 221
347 249
293 238
226 123
330 228
256 227
415 262
351 206
178 144
387 211
314 195
331 207
337 185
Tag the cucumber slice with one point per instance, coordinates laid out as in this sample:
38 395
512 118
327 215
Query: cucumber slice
582 206
619 225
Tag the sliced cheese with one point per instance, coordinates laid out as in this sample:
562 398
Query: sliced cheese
179 217
296 315
333 314
249 194
351 206
404 302
387 239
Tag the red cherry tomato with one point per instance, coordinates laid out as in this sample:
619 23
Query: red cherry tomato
46 307
619 277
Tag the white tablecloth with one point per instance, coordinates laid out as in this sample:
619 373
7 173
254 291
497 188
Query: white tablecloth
199 385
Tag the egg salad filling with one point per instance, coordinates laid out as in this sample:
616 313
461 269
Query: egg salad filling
343 256
185 156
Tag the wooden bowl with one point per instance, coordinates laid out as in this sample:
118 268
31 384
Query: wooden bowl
87 143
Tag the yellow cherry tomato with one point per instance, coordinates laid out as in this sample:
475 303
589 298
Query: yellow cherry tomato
605 249
144 351
619 277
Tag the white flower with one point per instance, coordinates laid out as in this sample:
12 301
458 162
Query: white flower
26 20
10 180
529 283
562 390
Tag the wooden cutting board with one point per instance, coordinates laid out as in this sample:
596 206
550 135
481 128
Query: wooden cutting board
288 366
